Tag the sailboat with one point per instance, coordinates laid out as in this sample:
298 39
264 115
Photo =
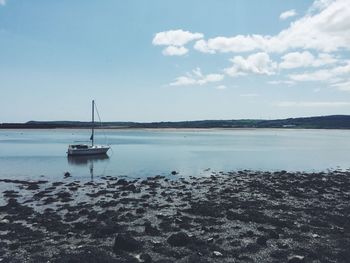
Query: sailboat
85 149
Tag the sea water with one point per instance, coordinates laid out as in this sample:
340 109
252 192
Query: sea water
41 154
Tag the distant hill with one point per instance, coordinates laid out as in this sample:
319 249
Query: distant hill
320 122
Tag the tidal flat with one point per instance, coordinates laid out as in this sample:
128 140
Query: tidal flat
241 216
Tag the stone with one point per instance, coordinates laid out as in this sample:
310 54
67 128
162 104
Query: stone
130 187
125 242
122 182
296 259
217 254
151 230
261 241
273 234
145 258
179 239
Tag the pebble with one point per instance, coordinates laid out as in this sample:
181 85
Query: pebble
217 254
296 259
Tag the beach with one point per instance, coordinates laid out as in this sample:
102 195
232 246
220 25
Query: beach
240 216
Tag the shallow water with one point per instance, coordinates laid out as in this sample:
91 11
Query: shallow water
41 154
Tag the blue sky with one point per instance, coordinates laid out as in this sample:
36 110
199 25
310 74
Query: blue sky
173 60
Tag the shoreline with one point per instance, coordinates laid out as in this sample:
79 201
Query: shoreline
175 129
243 216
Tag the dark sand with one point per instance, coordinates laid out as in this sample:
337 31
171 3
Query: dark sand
244 216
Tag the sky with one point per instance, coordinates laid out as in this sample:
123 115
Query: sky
162 60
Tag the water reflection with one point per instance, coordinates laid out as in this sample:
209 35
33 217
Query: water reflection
88 161
85 160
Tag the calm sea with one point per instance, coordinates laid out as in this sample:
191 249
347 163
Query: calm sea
41 154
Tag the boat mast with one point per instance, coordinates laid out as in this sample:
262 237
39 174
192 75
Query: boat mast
92 124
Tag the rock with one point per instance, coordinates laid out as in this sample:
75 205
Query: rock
282 245
130 187
86 255
145 258
210 240
140 210
305 228
67 174
273 234
261 241
151 230
33 187
179 239
174 173
296 259
197 258
217 254
125 242
122 182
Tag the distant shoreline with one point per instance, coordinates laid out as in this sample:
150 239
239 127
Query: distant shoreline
319 122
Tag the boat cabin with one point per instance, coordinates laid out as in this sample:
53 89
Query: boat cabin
78 146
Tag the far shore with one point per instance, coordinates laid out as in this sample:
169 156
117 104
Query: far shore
318 122
173 129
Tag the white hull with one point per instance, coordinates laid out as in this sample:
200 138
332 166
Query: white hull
91 150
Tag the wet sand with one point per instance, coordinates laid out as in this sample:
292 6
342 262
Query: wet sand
244 216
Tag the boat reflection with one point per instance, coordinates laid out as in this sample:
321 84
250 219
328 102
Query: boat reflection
88 160
85 160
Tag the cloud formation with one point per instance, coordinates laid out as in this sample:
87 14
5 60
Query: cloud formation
311 48
175 40
288 14
259 63
326 31
323 75
306 59
196 78
174 51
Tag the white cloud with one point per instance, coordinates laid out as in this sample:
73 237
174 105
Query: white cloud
211 78
259 63
183 81
239 43
343 86
326 30
288 14
196 78
296 60
175 40
2 2
175 37
174 51
305 59
319 5
311 104
221 87
323 74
